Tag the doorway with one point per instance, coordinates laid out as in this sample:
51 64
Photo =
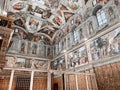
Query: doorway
56 86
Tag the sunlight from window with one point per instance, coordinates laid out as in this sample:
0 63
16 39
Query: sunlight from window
101 17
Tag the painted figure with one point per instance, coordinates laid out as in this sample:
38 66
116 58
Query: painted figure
19 6
33 24
73 4
23 47
34 49
81 34
95 55
90 28
111 13
116 46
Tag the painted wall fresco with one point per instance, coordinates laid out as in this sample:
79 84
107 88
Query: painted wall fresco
106 45
75 4
34 13
77 57
111 13
22 49
17 5
40 64
33 25
15 62
58 64
20 62
25 47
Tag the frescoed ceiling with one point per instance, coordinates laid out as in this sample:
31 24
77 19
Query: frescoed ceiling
42 16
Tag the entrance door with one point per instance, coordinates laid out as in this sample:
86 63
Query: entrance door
56 86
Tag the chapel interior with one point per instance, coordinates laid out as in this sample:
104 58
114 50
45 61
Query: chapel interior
59 44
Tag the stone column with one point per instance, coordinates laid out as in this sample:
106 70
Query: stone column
65 81
31 80
86 78
11 80
76 80
49 81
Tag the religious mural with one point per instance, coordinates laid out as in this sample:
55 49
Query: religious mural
76 20
17 5
22 49
33 25
58 64
11 61
19 22
81 34
74 4
77 57
106 45
57 21
48 16
111 13
26 63
20 62
64 44
43 49
105 1
34 13
90 28
68 15
34 49
40 64
94 2
49 51
54 3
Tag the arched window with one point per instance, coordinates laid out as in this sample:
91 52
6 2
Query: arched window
101 17
56 48
59 46
75 36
